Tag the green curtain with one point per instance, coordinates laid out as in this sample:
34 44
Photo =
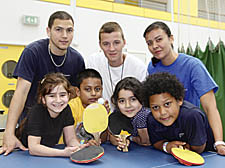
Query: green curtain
214 60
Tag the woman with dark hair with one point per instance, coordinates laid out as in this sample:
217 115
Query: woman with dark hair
199 85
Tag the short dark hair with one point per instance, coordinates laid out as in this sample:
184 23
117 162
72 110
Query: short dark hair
87 73
110 27
162 82
49 82
128 83
62 15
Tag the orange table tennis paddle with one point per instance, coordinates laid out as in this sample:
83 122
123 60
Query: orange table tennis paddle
187 157
88 154
95 120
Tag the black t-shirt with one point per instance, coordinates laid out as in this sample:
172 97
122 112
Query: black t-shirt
39 123
118 122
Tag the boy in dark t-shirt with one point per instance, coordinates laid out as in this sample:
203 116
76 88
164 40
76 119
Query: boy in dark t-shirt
173 121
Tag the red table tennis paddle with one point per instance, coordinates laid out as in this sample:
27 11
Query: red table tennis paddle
187 157
87 154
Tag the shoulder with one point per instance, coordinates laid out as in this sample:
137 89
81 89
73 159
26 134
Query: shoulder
96 60
189 111
74 53
39 44
133 59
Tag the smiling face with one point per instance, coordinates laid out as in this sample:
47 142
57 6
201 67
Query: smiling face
56 100
128 103
159 44
60 36
165 108
112 45
90 91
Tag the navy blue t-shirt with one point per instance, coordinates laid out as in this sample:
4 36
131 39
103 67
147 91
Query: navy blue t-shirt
191 126
35 62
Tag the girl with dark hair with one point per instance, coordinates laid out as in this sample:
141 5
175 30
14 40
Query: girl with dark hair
51 117
129 112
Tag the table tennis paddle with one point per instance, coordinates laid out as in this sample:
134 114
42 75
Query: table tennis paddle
120 126
95 120
87 154
187 157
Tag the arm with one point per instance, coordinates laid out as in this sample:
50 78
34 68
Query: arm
142 138
35 148
198 149
16 107
208 102
173 144
70 137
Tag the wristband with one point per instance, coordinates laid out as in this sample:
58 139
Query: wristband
218 143
164 146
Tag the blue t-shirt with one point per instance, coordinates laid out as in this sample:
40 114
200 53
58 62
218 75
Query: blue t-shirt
192 73
35 62
191 126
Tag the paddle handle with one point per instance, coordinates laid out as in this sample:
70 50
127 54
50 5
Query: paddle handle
97 137
124 140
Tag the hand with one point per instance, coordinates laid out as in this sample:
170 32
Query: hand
94 142
175 144
106 104
10 142
122 144
69 150
220 149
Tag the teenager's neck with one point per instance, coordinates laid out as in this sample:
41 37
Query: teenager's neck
170 58
56 51
119 62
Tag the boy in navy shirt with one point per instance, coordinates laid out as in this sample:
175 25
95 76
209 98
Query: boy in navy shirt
173 121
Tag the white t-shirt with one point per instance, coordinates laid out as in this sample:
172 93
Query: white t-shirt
132 67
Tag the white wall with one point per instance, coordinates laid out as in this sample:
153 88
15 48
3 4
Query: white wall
89 22
13 31
87 25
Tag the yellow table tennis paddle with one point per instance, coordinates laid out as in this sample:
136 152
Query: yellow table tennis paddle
95 120
187 157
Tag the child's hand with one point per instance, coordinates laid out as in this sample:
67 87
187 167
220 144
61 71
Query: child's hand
104 103
121 144
175 144
94 142
220 149
69 150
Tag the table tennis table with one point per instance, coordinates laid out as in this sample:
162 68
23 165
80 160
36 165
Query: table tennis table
138 156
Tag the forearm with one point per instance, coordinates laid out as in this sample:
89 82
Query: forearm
41 150
216 124
15 110
208 102
17 104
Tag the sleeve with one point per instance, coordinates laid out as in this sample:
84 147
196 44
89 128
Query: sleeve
142 119
195 128
69 120
154 135
35 122
26 66
201 80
